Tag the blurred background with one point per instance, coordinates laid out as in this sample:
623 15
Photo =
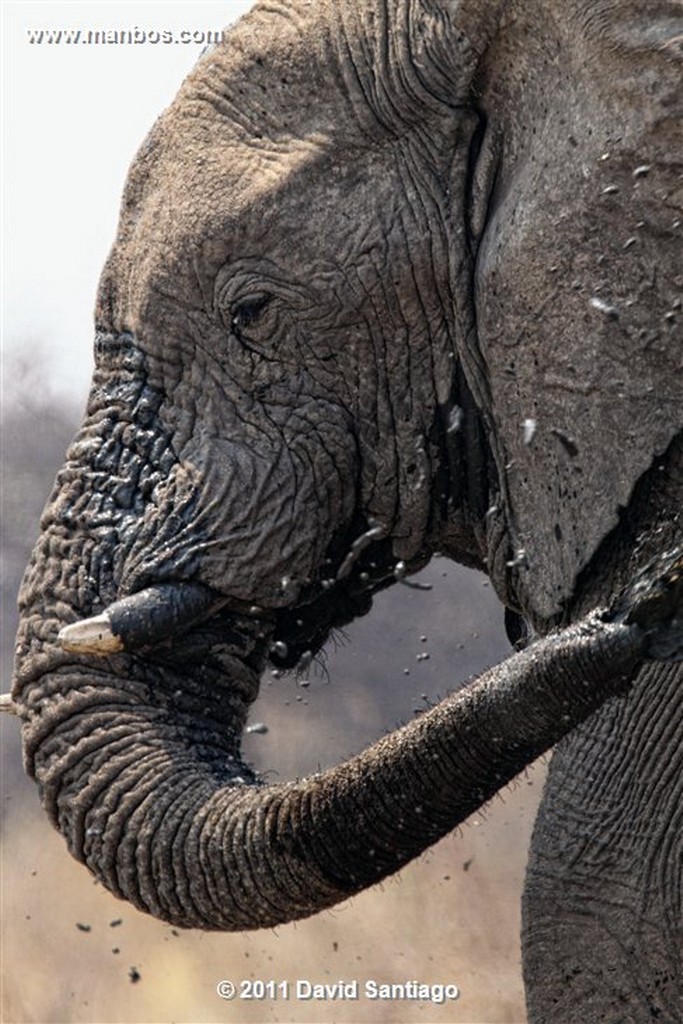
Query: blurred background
73 117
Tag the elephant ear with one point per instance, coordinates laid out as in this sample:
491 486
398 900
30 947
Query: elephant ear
578 359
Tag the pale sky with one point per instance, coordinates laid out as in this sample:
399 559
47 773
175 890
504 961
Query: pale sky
73 117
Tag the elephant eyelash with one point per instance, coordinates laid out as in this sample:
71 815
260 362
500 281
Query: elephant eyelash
248 311
254 322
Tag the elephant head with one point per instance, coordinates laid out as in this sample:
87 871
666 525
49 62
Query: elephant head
336 333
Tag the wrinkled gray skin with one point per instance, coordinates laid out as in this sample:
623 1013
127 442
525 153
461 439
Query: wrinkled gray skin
357 216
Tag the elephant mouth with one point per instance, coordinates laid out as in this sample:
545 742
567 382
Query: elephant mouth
331 604
178 619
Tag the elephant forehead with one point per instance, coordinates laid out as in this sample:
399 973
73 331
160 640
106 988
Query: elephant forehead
300 210
197 188
578 319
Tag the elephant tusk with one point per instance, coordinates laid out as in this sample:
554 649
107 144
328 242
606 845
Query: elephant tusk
7 704
92 636
145 619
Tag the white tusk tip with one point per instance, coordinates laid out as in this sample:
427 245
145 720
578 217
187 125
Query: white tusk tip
92 636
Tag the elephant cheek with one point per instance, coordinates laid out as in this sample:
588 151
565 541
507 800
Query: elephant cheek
252 525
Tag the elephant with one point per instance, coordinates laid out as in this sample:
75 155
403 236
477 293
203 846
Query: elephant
391 278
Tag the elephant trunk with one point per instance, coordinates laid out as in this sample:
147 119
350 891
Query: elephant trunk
138 762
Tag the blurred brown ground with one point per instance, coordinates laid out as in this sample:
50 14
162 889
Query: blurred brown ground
450 917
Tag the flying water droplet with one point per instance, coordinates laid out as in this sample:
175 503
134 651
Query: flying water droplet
375 532
611 312
289 587
304 662
520 559
455 418
258 729
529 429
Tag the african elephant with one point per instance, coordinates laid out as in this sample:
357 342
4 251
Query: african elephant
390 278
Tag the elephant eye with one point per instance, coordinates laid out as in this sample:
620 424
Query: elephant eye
249 317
